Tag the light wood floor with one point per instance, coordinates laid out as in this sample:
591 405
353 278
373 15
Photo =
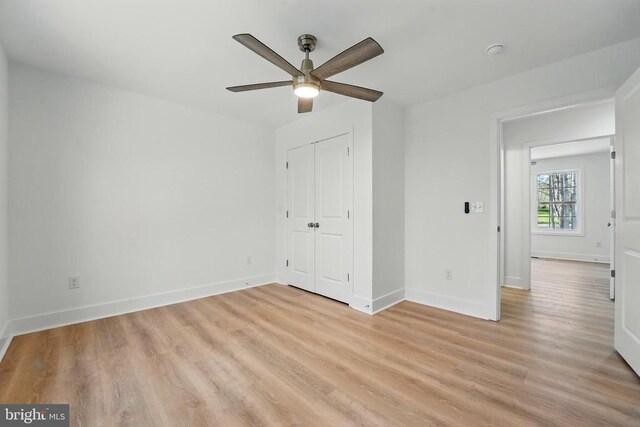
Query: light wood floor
276 355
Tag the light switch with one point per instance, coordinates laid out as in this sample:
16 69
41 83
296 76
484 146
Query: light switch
477 207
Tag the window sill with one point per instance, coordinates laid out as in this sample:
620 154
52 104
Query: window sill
559 233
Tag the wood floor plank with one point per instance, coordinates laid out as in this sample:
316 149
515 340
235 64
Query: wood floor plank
277 355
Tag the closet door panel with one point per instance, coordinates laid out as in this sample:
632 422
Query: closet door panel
301 211
334 231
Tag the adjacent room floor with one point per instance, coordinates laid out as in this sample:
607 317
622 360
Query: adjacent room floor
278 355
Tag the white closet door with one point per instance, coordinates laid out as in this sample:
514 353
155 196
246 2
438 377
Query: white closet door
333 219
300 235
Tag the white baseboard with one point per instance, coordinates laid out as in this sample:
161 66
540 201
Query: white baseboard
361 304
522 288
468 307
5 339
388 300
513 282
571 256
56 319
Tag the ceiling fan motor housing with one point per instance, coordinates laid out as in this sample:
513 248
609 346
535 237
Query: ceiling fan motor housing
307 42
308 80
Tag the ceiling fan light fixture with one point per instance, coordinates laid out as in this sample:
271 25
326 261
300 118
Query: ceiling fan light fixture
306 90
308 80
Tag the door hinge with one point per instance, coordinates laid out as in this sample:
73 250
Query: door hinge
348 214
287 263
287 214
348 150
613 273
287 165
613 155
613 214
348 277
498 229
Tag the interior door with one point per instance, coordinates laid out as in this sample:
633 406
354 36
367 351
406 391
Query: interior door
300 212
627 143
334 232
612 223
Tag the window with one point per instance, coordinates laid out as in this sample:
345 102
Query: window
557 202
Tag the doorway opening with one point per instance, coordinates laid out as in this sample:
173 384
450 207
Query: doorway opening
571 201
556 195
625 218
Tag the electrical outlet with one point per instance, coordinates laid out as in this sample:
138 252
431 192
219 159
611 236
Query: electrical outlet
74 282
249 260
448 274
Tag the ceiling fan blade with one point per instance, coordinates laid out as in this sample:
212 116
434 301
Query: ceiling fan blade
305 105
355 55
263 50
352 91
257 86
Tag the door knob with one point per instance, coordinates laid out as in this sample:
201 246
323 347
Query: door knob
310 225
316 225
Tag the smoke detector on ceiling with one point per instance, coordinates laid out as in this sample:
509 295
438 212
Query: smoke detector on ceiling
495 49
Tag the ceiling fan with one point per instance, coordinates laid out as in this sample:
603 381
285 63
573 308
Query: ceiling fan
308 81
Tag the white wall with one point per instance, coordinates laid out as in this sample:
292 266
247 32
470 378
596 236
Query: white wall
354 117
594 244
569 124
448 157
4 275
136 195
388 204
565 125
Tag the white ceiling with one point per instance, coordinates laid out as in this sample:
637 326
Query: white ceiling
182 50
575 148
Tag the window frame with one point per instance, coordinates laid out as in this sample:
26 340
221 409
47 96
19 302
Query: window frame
580 213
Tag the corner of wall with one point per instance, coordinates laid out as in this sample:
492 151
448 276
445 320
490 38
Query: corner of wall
5 337
388 204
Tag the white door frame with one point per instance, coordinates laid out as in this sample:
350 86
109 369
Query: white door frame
496 208
612 219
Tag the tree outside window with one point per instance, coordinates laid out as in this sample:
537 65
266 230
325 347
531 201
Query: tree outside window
557 201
